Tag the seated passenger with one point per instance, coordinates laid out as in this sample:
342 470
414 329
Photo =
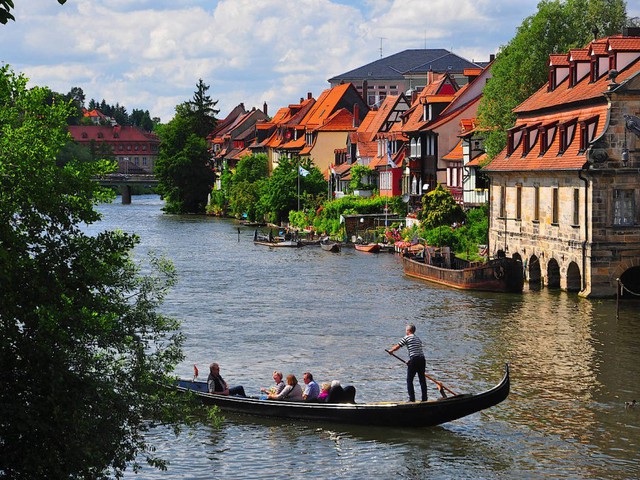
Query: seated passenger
278 387
336 392
292 391
312 389
324 392
349 394
217 385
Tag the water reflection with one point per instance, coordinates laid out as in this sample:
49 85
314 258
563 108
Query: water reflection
255 309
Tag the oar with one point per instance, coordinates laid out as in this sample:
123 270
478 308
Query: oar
440 384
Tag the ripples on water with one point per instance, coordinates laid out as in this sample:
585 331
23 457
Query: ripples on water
254 309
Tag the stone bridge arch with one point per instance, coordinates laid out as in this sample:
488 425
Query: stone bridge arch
534 273
574 278
553 274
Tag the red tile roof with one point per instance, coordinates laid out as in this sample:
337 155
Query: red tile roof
340 121
455 154
478 161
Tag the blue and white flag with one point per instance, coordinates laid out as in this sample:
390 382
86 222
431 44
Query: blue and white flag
302 171
390 162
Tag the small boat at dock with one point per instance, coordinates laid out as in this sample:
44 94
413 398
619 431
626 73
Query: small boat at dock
367 247
329 246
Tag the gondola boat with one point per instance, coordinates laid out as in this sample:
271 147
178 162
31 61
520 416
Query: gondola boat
395 414
368 247
500 274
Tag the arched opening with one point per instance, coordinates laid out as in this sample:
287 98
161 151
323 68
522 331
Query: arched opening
516 256
535 275
574 279
630 280
553 274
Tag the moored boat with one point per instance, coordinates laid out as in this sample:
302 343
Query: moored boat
500 274
368 247
396 414
329 246
279 244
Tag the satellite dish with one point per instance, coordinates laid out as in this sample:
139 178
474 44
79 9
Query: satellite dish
405 198
425 187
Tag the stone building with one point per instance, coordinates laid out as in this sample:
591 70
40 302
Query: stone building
565 193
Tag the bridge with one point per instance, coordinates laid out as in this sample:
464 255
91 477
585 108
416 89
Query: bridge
125 181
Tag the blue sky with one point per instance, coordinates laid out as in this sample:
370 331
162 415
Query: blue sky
149 54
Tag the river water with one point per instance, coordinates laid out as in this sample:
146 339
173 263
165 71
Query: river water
574 362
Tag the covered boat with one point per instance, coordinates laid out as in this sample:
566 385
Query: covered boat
396 414
501 274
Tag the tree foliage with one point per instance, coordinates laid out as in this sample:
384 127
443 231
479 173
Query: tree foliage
439 208
202 109
185 177
83 349
521 67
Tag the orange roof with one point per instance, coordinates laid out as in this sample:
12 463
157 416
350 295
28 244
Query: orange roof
624 44
563 94
455 154
325 105
295 144
478 161
598 47
579 55
559 60
342 120
571 159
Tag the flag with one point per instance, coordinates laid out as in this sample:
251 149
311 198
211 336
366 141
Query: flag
389 161
302 171
195 371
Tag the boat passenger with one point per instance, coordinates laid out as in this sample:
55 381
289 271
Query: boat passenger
278 387
324 392
416 363
292 391
217 385
336 392
312 389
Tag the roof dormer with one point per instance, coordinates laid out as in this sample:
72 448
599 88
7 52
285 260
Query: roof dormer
579 65
558 70
599 60
622 51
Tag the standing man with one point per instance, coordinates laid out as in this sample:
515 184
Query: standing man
217 385
312 389
416 363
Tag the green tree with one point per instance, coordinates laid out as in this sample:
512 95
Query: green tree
7 5
182 169
203 110
521 67
439 208
83 350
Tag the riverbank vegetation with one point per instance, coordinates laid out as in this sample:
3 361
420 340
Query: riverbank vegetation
84 350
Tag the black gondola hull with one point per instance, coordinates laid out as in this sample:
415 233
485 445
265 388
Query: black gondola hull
395 414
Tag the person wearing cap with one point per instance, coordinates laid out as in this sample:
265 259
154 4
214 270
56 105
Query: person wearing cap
416 363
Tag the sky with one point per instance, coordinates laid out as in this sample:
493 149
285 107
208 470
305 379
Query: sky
149 54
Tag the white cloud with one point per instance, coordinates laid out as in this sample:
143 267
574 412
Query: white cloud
149 54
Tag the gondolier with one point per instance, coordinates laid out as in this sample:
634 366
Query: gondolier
416 363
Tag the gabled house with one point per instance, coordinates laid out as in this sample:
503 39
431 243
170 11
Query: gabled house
230 141
565 192
283 135
133 148
337 112
475 183
375 144
405 72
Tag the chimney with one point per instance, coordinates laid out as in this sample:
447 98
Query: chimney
365 91
631 31
309 95
301 100
414 95
492 57
356 115
264 109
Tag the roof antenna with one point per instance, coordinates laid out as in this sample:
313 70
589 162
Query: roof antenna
381 39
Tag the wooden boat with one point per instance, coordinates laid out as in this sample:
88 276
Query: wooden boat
395 414
330 246
368 247
279 244
497 275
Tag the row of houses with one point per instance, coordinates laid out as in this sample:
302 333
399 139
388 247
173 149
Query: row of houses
563 195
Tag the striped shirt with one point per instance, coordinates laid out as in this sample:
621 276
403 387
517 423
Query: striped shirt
413 344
